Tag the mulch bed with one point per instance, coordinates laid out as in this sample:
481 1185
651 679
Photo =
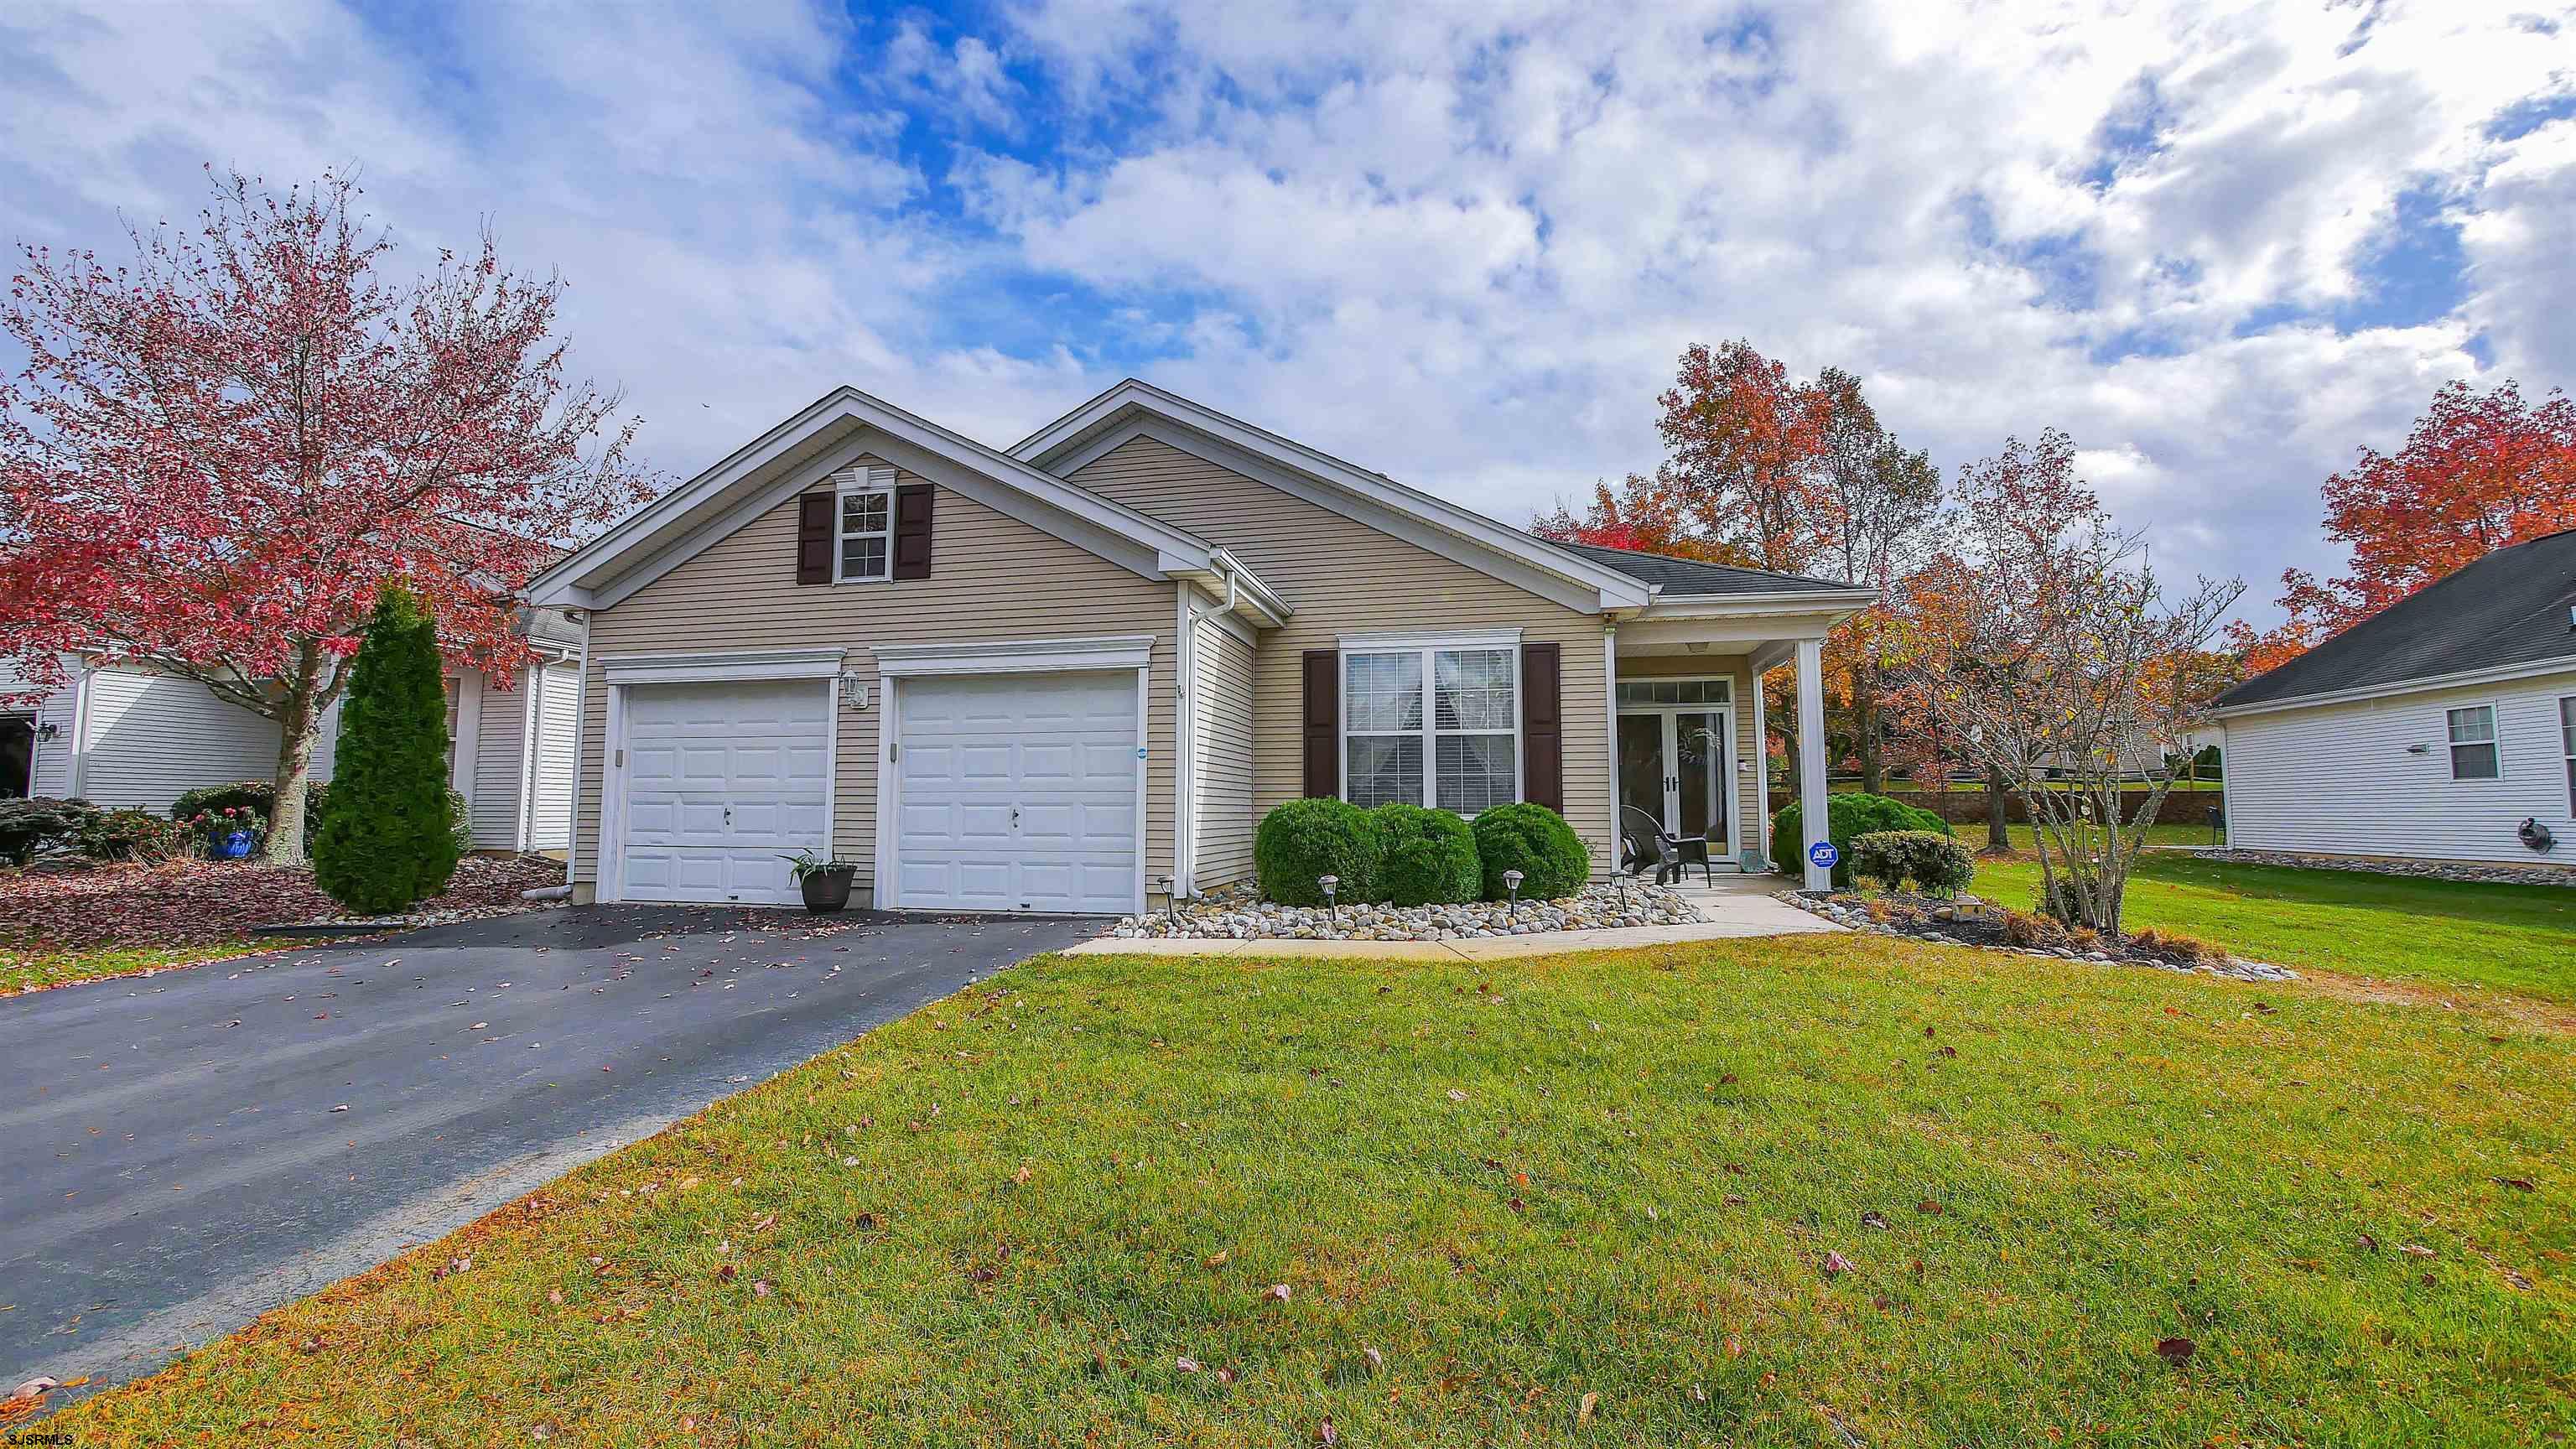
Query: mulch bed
200 902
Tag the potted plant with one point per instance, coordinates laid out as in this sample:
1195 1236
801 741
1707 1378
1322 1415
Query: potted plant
825 882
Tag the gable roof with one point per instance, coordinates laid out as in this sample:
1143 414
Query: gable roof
1697 578
2506 612
783 461
1371 497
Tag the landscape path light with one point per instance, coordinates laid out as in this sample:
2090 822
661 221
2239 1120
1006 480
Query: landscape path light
1512 887
1330 883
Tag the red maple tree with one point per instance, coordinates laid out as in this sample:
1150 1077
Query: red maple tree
2479 472
1747 451
215 453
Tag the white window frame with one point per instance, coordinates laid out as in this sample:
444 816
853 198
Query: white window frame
1428 645
2567 743
851 483
2494 741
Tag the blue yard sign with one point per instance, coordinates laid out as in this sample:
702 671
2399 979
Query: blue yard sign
1823 855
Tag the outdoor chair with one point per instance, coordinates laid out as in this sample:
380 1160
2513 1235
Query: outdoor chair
1648 843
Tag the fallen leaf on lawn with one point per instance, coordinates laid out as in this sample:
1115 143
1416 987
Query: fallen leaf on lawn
555 1296
1583 1410
1457 1096
1225 1376
1517 1206
2368 1243
1216 1259
1836 1265
1186 1364
2518 1184
725 1272
1277 1292
2176 1351
760 1288
1022 1176
2417 1250
1928 1206
1734 1346
1733 1201
1325 1435
1874 1219
1376 1360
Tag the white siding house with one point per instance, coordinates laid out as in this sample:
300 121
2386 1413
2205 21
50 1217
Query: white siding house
2441 728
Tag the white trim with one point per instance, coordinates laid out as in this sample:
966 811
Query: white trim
832 752
580 727
651 535
2423 685
1184 746
717 665
1427 646
1610 692
2566 745
610 885
1144 768
1016 656
1065 434
1731 802
2493 741
1432 639
852 482
80 731
1841 602
1813 814
531 713
1761 776
469 730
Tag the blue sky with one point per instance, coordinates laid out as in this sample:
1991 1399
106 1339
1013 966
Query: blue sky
2220 245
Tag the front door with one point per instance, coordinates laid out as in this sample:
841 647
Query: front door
1673 766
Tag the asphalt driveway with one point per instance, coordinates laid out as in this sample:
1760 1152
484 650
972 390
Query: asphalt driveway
190 1149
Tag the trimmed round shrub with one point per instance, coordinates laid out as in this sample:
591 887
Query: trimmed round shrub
28 826
1304 840
1425 857
1847 818
1939 865
1535 841
389 838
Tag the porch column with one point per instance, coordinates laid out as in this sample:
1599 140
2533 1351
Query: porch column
1811 758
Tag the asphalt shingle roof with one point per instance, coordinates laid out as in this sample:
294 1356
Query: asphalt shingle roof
2508 608
1691 577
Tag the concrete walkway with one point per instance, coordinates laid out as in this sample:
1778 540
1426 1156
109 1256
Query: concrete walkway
1732 907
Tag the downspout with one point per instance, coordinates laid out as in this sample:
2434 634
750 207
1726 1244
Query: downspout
580 728
1184 744
80 732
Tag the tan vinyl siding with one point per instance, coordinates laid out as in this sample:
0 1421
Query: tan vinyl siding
993 578
1344 576
1221 756
1751 831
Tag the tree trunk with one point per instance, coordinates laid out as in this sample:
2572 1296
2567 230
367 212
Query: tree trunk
1998 834
298 725
1873 772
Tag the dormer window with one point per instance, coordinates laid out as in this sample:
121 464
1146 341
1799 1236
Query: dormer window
864 550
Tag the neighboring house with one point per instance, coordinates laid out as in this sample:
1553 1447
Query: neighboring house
1072 676
2432 729
125 735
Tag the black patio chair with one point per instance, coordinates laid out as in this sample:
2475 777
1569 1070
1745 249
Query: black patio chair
1648 843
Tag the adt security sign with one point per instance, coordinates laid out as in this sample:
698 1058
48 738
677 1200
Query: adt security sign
1823 855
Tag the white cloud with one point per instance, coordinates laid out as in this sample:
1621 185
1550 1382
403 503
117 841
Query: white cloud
1461 243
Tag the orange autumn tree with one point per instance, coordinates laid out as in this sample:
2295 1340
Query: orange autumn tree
2479 472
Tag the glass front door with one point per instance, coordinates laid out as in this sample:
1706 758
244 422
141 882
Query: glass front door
1673 767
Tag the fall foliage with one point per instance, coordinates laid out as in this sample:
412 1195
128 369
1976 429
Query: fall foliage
2479 472
217 451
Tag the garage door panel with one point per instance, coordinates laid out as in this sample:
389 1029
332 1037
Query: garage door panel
1018 793
723 779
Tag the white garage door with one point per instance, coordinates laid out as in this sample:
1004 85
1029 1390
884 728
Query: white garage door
1017 793
721 781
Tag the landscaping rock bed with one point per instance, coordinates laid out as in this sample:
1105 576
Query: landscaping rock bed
1240 915
1968 921
2557 875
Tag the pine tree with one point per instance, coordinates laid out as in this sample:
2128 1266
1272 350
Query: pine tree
386 840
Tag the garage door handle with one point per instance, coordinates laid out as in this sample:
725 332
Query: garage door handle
1015 817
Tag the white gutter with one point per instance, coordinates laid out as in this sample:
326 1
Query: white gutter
2424 685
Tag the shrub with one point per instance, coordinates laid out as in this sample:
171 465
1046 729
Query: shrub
1847 817
1425 857
259 795
28 826
1938 864
207 827
1305 839
127 835
2173 946
1536 841
2057 898
389 838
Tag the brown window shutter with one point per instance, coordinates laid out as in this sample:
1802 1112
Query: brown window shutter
912 530
1323 723
814 537
1542 728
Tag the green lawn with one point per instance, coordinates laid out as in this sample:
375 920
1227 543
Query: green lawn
2441 933
31 970
1584 1200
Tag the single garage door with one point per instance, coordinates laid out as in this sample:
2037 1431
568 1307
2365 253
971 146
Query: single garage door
721 780
1017 792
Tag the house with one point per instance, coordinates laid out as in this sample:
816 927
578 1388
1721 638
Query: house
128 736
1072 675
2433 729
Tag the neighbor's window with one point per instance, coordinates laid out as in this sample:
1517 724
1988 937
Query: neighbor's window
867 525
2473 743
2567 741
1432 726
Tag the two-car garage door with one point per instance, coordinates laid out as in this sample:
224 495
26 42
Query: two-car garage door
1009 792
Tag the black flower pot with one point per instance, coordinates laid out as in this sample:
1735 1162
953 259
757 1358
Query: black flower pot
828 889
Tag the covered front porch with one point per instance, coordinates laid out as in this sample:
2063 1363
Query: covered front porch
1687 728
